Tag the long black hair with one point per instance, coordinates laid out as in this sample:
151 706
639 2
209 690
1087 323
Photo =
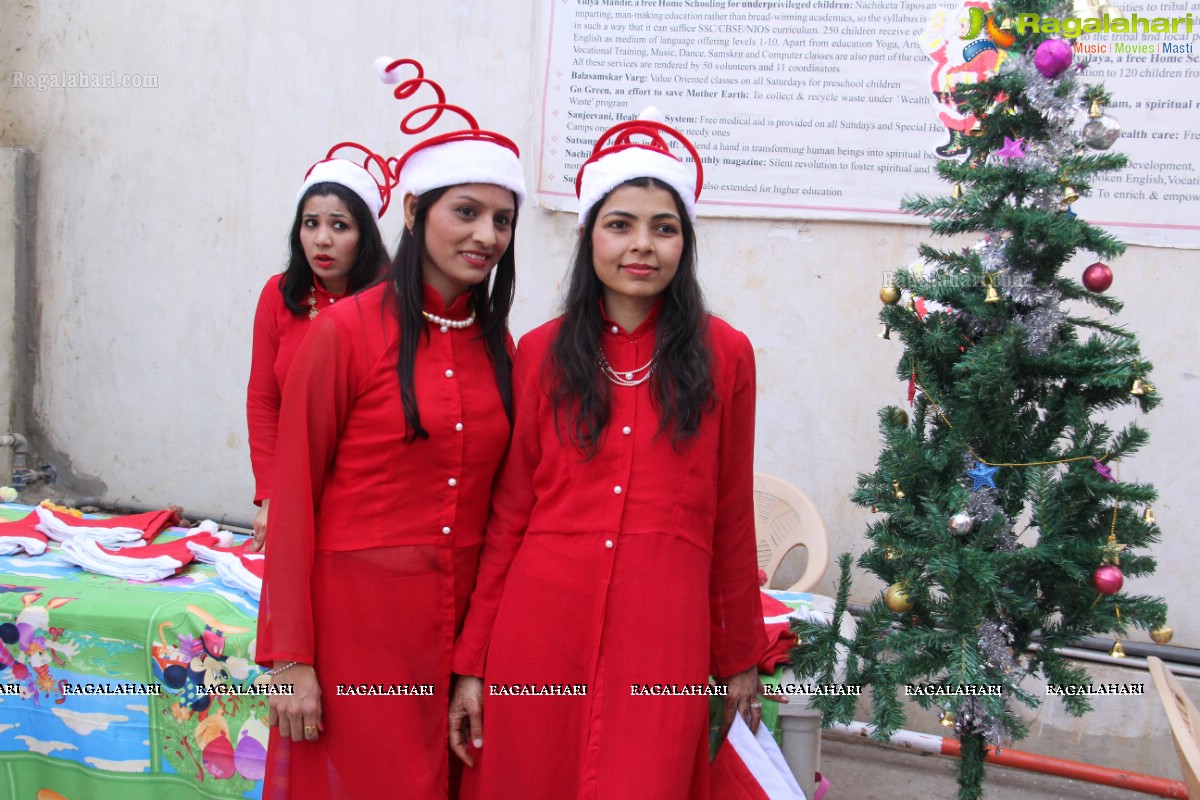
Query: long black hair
490 303
681 386
297 280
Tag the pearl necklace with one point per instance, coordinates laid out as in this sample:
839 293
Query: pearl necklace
447 324
626 378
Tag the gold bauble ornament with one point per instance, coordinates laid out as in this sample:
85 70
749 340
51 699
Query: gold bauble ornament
1162 634
896 599
890 295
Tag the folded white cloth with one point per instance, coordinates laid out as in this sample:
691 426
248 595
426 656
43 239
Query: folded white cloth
136 563
236 567
61 531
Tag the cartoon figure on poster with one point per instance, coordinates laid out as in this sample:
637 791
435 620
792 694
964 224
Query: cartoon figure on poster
966 48
190 670
38 646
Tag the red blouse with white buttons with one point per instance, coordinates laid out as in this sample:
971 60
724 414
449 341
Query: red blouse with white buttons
373 541
636 566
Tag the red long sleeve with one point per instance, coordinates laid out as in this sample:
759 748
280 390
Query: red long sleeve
512 500
264 390
738 637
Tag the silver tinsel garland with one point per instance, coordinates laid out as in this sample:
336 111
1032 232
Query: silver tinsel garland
1042 327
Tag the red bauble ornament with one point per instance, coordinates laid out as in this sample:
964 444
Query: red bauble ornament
1108 579
1097 277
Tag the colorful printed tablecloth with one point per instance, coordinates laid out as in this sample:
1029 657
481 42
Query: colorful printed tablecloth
112 688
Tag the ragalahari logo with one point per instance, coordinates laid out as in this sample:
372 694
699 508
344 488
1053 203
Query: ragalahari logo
979 23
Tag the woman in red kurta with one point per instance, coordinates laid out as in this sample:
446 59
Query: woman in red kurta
620 554
395 417
336 250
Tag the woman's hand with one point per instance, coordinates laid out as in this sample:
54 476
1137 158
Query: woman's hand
742 698
466 717
260 528
298 715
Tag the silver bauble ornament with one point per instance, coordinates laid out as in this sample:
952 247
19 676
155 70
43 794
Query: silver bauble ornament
1100 132
961 523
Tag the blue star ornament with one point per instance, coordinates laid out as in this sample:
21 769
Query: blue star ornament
983 475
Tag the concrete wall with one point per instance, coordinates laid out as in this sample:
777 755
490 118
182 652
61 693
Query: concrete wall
161 211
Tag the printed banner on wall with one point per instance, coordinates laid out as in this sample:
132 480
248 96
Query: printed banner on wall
837 109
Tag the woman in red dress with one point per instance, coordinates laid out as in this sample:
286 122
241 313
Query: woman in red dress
336 250
395 417
620 553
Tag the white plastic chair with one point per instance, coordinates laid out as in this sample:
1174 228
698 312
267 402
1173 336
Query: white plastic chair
784 518
1184 720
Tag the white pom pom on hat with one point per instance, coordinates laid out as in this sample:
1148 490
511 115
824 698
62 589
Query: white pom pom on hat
622 159
469 155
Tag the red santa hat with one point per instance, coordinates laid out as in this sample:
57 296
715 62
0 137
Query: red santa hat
469 155
618 158
358 178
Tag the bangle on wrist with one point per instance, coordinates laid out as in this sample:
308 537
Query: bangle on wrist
285 667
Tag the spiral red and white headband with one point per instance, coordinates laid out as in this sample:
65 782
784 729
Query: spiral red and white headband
618 158
468 155
358 178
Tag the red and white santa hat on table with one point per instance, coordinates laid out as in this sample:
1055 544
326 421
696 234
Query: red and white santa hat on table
360 178
619 157
467 155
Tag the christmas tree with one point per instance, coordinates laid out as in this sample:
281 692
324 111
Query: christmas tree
1002 519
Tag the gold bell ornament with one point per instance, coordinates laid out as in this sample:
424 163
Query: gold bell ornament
897 491
1162 634
1069 196
1149 517
956 192
947 719
992 295
885 332
1117 651
1139 387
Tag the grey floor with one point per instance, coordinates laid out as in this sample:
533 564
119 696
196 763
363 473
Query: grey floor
861 770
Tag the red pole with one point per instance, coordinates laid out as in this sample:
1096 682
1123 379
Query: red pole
1078 770
1032 762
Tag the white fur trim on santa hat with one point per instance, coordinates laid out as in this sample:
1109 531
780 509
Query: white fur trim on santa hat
462 161
345 173
610 171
